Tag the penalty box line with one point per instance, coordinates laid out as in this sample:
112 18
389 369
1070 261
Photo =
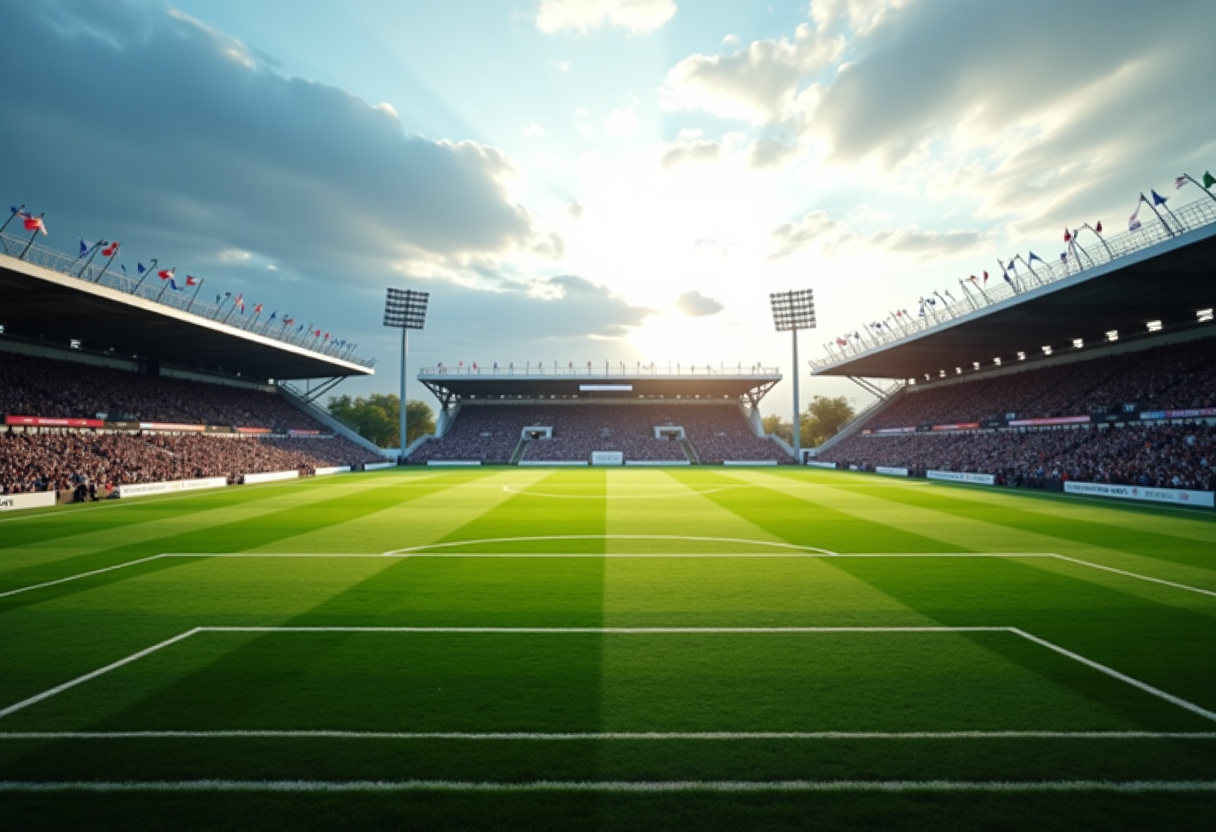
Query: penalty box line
1101 668
796 552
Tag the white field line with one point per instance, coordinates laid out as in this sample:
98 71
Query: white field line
676 492
613 786
598 736
1122 677
772 543
80 680
1160 694
797 551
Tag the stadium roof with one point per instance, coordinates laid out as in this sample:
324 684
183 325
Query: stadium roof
42 303
1169 281
464 383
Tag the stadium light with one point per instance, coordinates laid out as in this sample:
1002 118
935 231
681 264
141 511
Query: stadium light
793 311
405 309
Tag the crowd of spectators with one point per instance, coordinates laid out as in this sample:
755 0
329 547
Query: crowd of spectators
100 461
32 386
491 433
1169 377
1164 455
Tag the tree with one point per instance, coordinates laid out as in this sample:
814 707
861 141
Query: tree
824 418
376 417
779 427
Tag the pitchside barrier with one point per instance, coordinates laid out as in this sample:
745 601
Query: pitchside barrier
813 464
549 463
607 458
957 476
16 502
749 462
270 476
1176 496
652 463
169 487
377 466
338 469
892 472
453 462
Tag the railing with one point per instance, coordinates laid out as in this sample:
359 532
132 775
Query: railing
149 287
1099 251
666 370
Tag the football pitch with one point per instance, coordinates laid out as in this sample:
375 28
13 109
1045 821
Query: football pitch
735 648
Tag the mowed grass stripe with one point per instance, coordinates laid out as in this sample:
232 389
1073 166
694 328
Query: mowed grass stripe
238 536
176 517
1151 544
642 502
807 520
426 519
1161 645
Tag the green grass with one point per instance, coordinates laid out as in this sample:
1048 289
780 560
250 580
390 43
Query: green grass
589 626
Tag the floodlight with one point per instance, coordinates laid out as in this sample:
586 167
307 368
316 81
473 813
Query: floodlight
405 309
792 311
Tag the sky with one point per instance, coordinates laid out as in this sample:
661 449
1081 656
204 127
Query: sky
596 180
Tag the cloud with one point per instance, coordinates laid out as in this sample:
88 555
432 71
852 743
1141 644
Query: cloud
622 122
758 83
696 305
820 230
575 209
532 131
159 122
638 16
689 146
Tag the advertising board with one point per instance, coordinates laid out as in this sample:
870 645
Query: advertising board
1176 496
959 476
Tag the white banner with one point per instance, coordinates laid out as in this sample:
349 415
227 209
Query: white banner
814 464
1176 496
893 472
653 462
143 489
607 458
271 476
552 462
338 469
453 462
37 499
749 462
956 476
376 466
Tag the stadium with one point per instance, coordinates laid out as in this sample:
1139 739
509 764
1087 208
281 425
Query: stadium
604 589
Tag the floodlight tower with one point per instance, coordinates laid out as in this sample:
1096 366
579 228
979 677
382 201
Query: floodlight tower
405 309
793 311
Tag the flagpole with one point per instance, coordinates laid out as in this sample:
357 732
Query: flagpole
1105 245
92 253
15 212
33 236
1026 263
147 272
201 281
1194 181
1078 247
107 265
172 272
1153 208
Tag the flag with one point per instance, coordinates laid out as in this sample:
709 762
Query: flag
139 267
25 215
1008 279
1158 199
34 224
317 333
973 278
1034 257
123 266
1098 227
300 328
173 285
326 338
240 301
166 274
842 342
84 247
192 281
1179 181
1208 179
257 310
985 278
1067 236
1063 256
273 315
111 249
1013 264
288 321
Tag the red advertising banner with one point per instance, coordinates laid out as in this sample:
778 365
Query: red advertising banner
52 422
960 426
253 430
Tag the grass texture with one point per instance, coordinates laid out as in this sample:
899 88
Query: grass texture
608 649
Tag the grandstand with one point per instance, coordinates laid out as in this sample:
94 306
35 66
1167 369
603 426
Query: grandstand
1098 380
104 389
579 416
